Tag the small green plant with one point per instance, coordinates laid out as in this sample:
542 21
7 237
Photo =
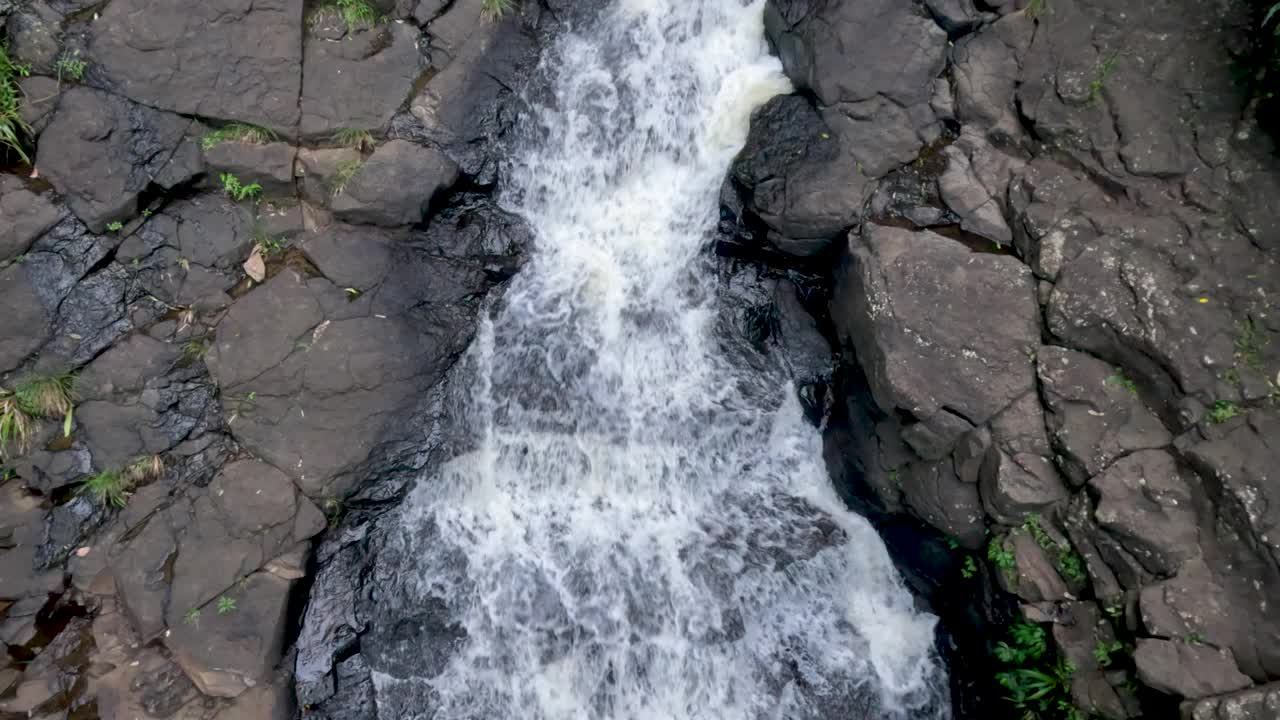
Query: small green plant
47 396
494 9
237 190
109 487
1037 684
13 129
238 133
226 605
1193 639
1103 651
969 568
1029 644
1001 556
1069 562
270 245
1105 70
70 65
1122 381
353 294
343 175
192 617
353 12
1035 8
353 138
1072 567
115 226
1222 411
1249 343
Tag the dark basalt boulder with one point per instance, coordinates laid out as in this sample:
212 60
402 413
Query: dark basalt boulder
395 185
359 81
101 152
223 59
1186 670
796 178
24 216
944 334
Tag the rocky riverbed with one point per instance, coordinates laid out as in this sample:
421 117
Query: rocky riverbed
1021 258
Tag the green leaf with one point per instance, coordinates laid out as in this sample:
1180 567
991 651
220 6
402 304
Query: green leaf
66 422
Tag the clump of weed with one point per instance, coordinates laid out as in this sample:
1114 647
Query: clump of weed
494 9
1069 562
69 65
1222 411
112 487
1249 343
238 191
108 487
48 396
13 129
1038 684
353 138
239 133
343 175
226 605
1124 382
115 226
1105 69
1001 556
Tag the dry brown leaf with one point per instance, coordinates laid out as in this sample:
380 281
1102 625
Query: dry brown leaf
255 267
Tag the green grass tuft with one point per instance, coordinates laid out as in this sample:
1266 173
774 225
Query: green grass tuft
226 605
13 129
112 487
70 66
47 396
353 138
238 133
494 9
344 174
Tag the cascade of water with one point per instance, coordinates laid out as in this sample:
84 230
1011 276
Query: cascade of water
645 529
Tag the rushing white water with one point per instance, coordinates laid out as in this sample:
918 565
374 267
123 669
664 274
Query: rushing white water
645 529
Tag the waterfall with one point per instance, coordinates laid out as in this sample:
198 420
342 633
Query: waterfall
644 528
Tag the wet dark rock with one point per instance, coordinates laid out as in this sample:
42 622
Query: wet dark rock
871 64
937 496
220 59
796 177
978 313
470 102
24 216
395 185
1079 631
101 151
269 165
1186 670
358 82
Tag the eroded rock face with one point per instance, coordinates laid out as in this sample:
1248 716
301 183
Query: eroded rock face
946 335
